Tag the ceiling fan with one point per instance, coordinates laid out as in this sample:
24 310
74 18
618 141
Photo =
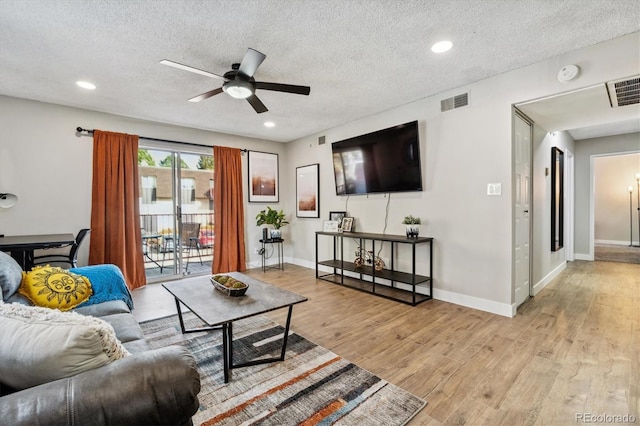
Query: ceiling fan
239 82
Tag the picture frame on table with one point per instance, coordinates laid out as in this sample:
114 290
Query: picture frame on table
331 226
337 216
308 191
263 177
347 224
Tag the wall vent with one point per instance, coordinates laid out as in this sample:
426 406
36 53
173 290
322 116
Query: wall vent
624 92
454 102
321 140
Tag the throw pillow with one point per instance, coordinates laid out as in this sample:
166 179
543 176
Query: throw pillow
54 287
10 276
39 345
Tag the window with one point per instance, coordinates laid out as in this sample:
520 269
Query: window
188 191
149 190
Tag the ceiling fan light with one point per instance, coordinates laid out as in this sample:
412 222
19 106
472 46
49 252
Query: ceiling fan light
238 89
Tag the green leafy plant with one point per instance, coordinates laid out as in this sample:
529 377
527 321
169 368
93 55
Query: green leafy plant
410 220
271 217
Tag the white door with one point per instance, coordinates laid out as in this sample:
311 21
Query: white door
522 208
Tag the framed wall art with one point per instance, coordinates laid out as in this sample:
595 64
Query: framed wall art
308 191
263 177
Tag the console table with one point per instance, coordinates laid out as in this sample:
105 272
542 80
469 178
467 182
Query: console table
367 274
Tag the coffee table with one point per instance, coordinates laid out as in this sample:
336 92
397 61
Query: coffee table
219 311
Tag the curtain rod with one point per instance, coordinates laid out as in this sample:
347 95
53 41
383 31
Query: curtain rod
80 130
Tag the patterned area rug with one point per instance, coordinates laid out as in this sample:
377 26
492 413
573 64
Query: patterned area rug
311 386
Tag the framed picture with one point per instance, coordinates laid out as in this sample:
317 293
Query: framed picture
337 216
331 226
263 177
308 191
347 224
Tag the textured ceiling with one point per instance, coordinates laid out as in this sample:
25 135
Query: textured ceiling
359 57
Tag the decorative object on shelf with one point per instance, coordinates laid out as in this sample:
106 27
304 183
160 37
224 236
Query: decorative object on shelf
272 217
347 224
8 200
331 226
229 285
366 257
308 191
337 216
263 177
412 228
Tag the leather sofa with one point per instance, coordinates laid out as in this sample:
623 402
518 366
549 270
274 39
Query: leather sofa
150 387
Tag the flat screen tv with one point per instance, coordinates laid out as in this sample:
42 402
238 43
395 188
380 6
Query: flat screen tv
387 160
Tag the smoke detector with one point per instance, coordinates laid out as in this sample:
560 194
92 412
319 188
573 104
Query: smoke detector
568 73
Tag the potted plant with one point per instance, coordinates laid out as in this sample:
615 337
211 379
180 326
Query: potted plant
272 217
412 227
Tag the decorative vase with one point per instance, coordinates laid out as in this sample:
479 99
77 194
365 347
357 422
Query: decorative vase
276 234
413 230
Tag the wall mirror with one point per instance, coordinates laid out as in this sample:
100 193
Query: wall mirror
557 197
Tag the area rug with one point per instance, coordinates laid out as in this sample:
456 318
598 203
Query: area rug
311 386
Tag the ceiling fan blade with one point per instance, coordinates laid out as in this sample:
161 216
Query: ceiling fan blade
190 69
206 95
257 104
288 88
250 63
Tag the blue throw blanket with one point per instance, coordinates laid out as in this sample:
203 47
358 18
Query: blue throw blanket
107 283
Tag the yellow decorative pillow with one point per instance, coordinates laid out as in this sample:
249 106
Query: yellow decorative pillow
54 287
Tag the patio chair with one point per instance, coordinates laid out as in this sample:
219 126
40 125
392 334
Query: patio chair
71 257
190 239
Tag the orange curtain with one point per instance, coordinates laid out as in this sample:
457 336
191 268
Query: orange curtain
228 248
115 214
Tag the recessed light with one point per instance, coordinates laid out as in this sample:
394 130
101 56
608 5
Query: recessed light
86 85
269 124
441 46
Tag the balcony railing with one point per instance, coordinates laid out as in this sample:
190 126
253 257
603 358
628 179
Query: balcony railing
161 243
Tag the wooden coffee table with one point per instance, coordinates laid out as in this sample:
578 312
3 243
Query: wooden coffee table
219 311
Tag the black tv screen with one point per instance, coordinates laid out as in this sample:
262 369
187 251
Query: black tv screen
387 160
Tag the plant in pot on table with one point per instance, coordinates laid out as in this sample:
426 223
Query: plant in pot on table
274 218
411 224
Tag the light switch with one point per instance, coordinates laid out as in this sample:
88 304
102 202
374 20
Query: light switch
494 189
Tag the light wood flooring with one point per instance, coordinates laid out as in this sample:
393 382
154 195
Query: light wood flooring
572 350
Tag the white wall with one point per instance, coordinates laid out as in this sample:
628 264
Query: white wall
612 176
462 150
546 263
586 151
48 167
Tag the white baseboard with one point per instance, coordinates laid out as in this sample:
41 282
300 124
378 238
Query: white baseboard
502 309
490 306
582 256
548 278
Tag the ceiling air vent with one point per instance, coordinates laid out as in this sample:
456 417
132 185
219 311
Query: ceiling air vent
624 92
454 102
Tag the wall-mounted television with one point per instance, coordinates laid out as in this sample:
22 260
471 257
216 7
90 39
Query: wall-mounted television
386 160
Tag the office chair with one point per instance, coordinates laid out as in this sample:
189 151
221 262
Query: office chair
71 257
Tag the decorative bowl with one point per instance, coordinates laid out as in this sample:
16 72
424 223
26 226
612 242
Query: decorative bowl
237 289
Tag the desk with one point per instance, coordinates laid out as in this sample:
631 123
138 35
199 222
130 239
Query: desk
278 243
21 247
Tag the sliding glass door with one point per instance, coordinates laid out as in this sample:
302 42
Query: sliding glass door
176 212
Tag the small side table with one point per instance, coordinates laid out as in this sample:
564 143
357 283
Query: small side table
277 244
